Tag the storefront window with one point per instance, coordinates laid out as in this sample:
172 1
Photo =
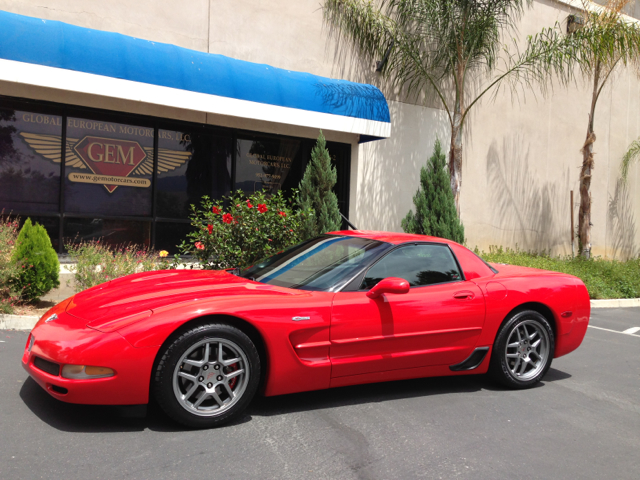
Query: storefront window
30 155
264 163
113 232
108 189
190 165
108 168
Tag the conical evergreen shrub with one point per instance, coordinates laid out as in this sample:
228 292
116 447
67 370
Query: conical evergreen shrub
316 192
38 266
434 203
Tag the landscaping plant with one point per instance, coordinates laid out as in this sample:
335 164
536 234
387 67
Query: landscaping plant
37 262
317 195
8 269
249 229
435 206
97 263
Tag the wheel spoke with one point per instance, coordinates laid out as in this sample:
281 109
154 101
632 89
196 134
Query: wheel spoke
518 333
536 343
201 399
513 345
217 398
187 376
191 391
231 393
512 355
523 367
207 351
234 374
515 367
195 363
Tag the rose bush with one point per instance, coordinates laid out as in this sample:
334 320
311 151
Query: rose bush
248 229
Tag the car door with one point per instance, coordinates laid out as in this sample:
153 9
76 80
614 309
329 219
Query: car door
437 322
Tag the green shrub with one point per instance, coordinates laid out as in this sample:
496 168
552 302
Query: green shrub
603 278
250 229
435 206
317 195
8 269
37 261
97 263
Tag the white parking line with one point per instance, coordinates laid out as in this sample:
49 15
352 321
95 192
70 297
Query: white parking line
614 331
632 330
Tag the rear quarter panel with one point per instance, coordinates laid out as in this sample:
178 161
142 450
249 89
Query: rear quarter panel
559 293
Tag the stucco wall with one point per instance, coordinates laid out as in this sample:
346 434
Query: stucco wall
521 156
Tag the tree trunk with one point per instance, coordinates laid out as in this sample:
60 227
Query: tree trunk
455 159
584 214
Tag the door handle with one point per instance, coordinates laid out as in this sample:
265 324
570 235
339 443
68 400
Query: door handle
464 295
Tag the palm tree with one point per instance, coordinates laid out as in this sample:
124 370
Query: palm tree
445 47
604 42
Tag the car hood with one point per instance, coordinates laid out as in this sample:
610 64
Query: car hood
136 296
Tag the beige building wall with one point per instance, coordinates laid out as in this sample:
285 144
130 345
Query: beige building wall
521 155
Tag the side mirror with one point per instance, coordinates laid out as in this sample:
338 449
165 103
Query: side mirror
389 285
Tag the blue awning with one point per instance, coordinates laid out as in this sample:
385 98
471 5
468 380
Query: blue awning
58 55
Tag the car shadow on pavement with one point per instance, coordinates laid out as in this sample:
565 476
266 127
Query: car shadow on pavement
69 417
382 392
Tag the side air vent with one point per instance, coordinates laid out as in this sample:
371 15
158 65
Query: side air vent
473 361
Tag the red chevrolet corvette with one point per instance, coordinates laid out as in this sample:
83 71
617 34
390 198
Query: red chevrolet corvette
345 308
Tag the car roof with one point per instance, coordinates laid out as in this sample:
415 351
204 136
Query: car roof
391 237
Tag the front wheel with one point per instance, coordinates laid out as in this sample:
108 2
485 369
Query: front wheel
207 376
523 350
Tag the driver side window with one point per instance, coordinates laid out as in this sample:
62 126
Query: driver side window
418 264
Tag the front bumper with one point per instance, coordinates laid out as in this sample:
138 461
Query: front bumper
61 345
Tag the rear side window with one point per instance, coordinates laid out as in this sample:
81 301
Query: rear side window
420 265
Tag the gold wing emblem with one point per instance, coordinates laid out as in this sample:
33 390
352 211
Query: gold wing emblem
167 160
49 147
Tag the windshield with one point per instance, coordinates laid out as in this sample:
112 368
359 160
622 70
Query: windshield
325 263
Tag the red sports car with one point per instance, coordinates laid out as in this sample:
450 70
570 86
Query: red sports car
345 308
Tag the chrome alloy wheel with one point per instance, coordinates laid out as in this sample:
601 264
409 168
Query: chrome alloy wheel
527 350
211 377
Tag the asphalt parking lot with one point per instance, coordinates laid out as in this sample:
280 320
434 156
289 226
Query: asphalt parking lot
583 421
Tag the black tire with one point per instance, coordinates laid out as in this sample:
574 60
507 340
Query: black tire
227 386
523 363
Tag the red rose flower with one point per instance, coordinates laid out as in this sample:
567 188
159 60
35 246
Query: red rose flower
262 208
216 210
282 214
210 228
249 204
199 245
227 218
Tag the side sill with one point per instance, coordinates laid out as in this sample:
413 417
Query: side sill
472 362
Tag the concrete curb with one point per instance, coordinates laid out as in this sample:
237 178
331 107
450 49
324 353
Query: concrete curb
616 303
27 322
18 322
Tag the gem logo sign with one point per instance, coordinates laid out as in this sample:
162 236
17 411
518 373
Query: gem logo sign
109 160
114 162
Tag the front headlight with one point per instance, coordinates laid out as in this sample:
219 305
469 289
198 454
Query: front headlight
86 372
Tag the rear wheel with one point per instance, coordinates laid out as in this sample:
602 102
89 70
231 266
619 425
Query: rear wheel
523 350
207 376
